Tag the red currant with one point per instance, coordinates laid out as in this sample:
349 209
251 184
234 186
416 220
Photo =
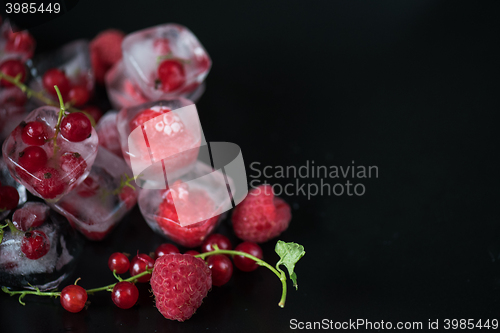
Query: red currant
88 188
128 196
171 74
31 215
73 164
32 158
125 295
144 116
165 248
73 298
76 127
12 67
161 46
56 77
221 268
246 264
118 262
94 111
35 244
48 183
139 264
78 95
21 42
9 198
192 252
34 133
220 240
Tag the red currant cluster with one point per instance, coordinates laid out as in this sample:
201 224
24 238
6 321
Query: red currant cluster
77 94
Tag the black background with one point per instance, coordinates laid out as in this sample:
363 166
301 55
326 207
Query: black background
408 86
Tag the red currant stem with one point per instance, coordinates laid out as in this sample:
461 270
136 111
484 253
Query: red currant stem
1 231
59 118
130 279
12 228
39 95
117 276
281 275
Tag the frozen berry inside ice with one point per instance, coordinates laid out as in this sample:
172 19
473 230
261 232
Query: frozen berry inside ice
88 188
118 262
139 264
171 75
12 67
73 164
34 133
76 127
31 215
222 269
56 77
125 295
165 248
32 158
128 196
94 111
73 298
246 264
48 183
146 115
20 42
9 198
78 95
35 244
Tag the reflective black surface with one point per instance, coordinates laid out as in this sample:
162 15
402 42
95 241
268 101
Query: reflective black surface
410 87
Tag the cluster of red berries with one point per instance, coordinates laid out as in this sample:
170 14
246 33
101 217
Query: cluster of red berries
78 94
125 294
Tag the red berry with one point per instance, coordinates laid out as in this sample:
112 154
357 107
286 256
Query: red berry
56 77
261 216
73 164
220 240
31 215
9 197
88 188
118 262
139 264
73 298
94 111
145 115
165 248
34 133
124 295
21 42
222 269
246 264
179 283
35 244
129 196
12 68
48 183
32 158
192 252
76 127
171 74
161 46
78 95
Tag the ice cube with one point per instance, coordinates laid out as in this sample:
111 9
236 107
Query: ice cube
16 270
7 180
97 205
190 209
108 133
62 169
172 140
165 61
73 59
124 93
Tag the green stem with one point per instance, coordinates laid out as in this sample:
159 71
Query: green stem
259 262
39 95
130 279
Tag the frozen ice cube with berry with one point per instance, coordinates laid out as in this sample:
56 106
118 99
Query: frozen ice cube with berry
12 194
97 205
123 92
42 252
189 210
20 45
160 136
69 68
108 133
48 162
165 61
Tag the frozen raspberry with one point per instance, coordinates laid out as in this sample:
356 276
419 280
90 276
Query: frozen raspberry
105 51
261 216
73 164
48 183
180 282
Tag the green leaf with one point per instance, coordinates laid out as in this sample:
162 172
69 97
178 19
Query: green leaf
289 254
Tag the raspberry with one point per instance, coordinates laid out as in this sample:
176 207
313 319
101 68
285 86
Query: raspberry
180 282
105 51
261 216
